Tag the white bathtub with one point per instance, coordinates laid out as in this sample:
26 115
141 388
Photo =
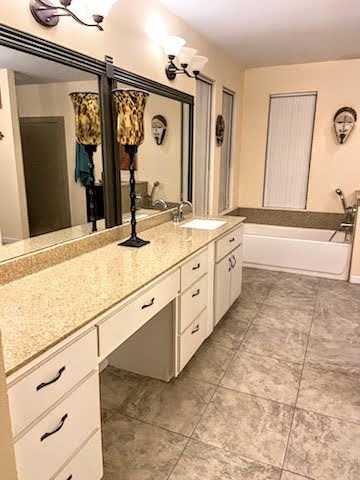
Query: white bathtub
298 250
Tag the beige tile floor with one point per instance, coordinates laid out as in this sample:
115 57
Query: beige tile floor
273 394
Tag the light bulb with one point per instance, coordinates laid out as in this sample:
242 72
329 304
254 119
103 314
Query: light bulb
172 45
185 55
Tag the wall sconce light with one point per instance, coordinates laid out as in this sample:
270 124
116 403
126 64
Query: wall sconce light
48 12
174 48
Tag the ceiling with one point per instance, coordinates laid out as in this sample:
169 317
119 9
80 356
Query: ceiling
30 69
276 32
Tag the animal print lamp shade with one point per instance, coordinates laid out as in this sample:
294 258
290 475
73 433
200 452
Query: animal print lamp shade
87 117
130 107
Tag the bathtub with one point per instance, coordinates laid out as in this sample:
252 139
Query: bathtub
298 250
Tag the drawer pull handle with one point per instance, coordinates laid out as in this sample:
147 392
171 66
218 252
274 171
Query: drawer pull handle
58 376
57 429
196 267
149 304
196 329
70 478
235 262
231 265
196 293
232 239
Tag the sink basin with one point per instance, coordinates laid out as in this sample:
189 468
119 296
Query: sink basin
202 224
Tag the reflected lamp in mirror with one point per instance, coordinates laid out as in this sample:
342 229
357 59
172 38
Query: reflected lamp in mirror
130 107
48 12
344 122
88 133
174 48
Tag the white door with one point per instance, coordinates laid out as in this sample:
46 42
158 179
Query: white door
236 273
222 288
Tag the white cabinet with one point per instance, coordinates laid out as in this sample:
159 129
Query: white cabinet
228 273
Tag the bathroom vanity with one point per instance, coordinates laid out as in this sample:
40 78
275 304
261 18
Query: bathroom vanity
145 310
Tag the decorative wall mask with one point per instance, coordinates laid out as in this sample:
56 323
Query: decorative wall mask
159 127
220 130
344 122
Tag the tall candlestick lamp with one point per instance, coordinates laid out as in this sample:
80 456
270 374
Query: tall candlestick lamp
130 106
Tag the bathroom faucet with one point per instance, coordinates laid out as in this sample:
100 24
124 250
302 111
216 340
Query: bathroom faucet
160 202
179 214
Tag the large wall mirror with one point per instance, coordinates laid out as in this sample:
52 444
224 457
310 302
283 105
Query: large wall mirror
162 161
46 193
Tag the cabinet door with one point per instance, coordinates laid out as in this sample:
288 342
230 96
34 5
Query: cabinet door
236 273
222 288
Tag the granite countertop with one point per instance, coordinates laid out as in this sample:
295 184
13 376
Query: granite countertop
40 310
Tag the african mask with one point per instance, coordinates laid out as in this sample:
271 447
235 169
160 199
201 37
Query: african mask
344 122
159 127
220 130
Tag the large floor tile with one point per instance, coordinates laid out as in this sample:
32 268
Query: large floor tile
203 462
284 344
210 362
176 406
300 299
323 448
327 324
263 376
230 332
333 354
340 303
284 318
243 310
330 393
251 275
115 386
255 291
136 451
292 476
297 282
250 426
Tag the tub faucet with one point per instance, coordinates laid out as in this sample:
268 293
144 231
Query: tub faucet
160 202
347 224
179 214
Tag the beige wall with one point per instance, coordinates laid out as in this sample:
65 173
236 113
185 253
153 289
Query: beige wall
332 165
13 209
52 100
7 459
126 39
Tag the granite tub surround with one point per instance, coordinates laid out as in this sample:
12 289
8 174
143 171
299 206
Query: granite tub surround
269 418
290 218
40 310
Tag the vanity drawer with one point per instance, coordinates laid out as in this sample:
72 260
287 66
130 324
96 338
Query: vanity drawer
114 330
42 451
193 302
194 269
192 338
87 464
229 242
31 396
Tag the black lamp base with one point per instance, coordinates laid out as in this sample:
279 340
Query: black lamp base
135 242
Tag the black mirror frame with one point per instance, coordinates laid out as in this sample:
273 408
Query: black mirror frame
107 73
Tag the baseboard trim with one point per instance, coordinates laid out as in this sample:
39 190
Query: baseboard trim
354 278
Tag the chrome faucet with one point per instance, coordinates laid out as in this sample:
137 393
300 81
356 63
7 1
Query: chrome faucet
160 202
179 214
350 213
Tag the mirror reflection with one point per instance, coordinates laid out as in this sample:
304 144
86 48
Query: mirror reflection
46 189
159 161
